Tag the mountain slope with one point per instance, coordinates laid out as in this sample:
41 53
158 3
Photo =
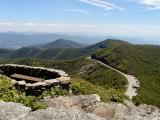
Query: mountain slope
61 53
42 53
61 43
142 61
5 52
88 77
18 40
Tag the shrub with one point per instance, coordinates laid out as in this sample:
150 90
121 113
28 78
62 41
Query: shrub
9 94
83 87
55 91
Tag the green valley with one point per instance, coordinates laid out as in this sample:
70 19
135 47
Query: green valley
142 61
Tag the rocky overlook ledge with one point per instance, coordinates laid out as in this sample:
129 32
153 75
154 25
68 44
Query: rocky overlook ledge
82 107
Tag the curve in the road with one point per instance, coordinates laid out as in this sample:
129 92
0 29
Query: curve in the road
133 82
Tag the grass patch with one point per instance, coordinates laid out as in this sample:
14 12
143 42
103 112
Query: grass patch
8 93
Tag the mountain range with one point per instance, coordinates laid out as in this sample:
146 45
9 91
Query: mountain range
61 43
16 40
59 49
13 40
142 61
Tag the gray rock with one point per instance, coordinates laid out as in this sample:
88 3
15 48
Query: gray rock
144 112
12 111
64 80
83 107
52 81
15 111
81 102
29 85
108 111
39 84
22 83
60 114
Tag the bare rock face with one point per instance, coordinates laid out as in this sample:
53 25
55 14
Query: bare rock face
90 104
81 102
108 111
13 111
60 114
16 111
83 107
144 112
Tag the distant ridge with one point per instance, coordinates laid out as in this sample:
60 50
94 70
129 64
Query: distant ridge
13 40
61 43
60 49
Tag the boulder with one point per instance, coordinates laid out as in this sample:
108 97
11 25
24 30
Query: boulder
16 111
109 111
12 111
143 112
60 114
81 102
82 107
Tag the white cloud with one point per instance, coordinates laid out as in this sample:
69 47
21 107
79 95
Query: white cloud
152 4
6 24
102 4
112 30
81 11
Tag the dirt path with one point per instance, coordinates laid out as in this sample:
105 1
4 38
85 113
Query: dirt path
133 82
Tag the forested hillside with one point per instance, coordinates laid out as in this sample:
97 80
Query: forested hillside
142 61
61 43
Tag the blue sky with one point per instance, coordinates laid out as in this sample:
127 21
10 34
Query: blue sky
98 17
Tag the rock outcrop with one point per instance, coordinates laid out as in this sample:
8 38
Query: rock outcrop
108 111
13 111
60 114
83 107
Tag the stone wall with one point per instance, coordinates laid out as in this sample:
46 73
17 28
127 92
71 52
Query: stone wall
51 77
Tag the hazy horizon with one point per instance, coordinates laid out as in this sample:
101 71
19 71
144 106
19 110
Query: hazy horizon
122 18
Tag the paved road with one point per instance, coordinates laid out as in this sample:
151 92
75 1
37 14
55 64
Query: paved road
133 82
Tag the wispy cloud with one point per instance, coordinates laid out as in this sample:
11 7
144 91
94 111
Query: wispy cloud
151 4
94 29
81 11
102 4
6 24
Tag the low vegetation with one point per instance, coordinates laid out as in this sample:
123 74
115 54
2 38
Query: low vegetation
88 77
83 87
8 93
142 61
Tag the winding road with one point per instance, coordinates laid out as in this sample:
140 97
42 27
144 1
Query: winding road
133 82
